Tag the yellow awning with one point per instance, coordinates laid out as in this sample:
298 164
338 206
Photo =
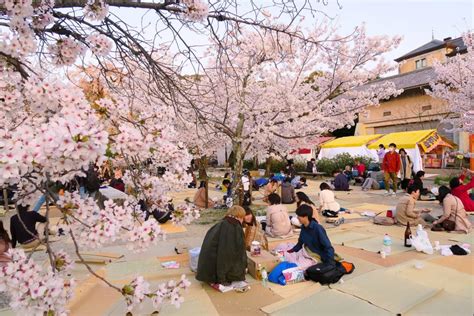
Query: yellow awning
428 139
350 141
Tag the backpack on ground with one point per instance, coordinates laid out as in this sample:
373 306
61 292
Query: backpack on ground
324 273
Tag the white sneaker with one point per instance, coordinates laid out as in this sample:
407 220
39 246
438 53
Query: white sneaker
393 193
386 193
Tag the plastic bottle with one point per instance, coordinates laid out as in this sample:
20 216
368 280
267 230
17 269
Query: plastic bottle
259 272
387 243
264 277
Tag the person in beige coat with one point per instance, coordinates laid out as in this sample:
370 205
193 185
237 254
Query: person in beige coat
453 210
271 187
278 221
406 212
406 167
200 197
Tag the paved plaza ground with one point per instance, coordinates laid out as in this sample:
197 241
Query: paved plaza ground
443 285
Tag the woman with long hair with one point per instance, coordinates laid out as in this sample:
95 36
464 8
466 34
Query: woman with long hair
5 242
302 198
406 168
253 230
453 211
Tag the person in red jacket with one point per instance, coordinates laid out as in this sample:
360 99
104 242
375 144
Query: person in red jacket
391 166
461 190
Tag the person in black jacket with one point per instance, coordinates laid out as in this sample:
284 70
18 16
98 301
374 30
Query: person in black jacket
223 258
23 227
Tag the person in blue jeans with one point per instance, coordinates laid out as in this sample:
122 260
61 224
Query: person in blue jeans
313 236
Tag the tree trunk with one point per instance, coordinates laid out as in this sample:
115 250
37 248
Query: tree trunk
239 158
5 199
268 164
203 176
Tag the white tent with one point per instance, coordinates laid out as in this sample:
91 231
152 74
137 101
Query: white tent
353 145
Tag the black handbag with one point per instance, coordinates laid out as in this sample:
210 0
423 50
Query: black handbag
449 225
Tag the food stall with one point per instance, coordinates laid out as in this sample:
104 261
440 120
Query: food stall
353 145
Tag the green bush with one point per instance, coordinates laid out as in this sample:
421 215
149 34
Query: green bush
340 162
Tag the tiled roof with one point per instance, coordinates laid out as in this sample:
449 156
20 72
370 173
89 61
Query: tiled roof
413 79
434 45
430 46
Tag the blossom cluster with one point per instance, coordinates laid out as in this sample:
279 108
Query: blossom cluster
184 214
65 51
455 85
96 10
32 290
136 291
99 44
196 10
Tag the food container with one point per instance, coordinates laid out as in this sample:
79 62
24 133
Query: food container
255 249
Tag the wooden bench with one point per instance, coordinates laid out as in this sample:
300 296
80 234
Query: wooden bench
313 174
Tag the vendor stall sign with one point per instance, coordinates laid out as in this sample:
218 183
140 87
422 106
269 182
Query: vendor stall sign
430 142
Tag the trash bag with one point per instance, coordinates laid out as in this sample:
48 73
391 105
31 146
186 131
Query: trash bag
194 258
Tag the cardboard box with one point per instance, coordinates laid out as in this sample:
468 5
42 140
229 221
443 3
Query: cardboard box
266 259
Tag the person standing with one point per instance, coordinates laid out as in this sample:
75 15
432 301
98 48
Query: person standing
381 153
405 168
391 166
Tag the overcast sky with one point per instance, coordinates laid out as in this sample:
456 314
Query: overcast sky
415 20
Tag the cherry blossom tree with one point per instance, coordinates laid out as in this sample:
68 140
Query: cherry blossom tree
256 94
50 132
455 84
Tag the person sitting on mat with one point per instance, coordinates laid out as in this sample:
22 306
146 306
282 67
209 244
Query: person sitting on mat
223 259
287 192
405 211
200 197
453 210
278 222
340 181
302 199
461 190
327 201
271 187
253 230
313 237
23 227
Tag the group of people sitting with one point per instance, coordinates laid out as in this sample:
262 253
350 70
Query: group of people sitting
454 216
223 257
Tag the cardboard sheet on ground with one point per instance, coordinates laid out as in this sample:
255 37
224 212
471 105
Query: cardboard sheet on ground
122 270
374 244
443 304
170 228
196 302
372 207
388 291
330 302
249 303
463 264
342 237
294 289
436 276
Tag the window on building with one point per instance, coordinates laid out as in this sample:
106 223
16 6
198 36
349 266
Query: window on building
420 63
388 113
426 108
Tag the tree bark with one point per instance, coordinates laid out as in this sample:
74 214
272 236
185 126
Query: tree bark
5 199
203 177
268 164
